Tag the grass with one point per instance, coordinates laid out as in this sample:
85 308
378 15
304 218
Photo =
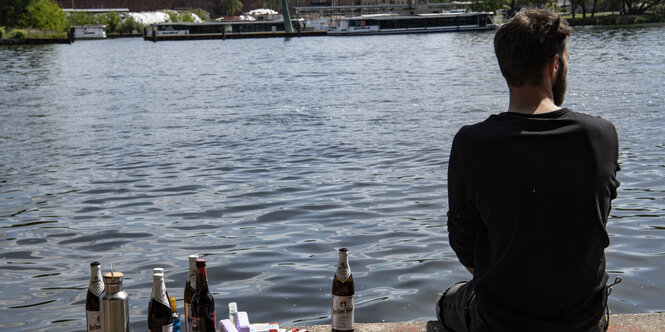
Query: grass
32 34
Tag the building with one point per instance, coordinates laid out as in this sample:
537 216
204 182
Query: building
155 5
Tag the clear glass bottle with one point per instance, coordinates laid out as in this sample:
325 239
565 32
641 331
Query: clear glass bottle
342 295
203 304
95 290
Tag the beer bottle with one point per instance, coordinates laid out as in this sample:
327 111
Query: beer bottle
159 308
190 288
95 289
203 304
342 295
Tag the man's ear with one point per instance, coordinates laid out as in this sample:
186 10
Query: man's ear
553 65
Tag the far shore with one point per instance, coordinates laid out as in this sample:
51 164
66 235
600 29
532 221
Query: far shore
614 19
599 19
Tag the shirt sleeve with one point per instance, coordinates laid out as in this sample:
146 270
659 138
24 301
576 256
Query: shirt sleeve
463 218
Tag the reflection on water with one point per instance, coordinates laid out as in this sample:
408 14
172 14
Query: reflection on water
265 156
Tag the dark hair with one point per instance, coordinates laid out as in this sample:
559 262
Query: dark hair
524 45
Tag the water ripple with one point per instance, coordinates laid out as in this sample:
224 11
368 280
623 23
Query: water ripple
268 164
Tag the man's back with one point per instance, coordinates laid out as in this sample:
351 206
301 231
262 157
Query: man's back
534 192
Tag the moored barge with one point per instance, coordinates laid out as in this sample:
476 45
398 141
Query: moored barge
223 30
418 23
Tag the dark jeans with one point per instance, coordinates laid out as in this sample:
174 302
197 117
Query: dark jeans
457 310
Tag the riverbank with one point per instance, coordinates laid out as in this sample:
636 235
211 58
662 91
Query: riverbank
610 19
618 323
34 41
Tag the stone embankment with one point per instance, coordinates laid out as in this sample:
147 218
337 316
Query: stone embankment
618 323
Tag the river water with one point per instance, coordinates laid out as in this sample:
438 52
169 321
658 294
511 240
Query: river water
267 155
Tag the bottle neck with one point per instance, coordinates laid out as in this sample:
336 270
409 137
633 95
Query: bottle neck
201 279
343 270
113 288
96 285
159 289
192 271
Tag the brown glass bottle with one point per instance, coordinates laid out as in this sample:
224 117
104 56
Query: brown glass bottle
190 288
203 304
95 290
342 295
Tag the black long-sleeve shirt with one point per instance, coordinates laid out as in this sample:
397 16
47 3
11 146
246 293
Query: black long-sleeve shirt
529 197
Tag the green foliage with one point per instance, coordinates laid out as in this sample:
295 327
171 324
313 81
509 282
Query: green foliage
616 20
13 13
202 14
46 15
18 34
488 5
230 7
45 34
188 16
112 20
2 32
173 16
79 18
128 25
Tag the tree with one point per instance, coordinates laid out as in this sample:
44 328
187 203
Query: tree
111 20
230 7
13 12
636 7
80 18
129 25
487 5
46 15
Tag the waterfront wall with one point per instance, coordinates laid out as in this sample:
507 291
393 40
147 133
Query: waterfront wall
653 322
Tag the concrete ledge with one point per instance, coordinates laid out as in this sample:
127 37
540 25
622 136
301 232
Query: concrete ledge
618 323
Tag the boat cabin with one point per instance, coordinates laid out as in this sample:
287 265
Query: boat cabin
89 31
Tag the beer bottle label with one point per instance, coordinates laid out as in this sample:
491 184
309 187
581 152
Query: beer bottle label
96 285
93 320
167 328
343 272
342 312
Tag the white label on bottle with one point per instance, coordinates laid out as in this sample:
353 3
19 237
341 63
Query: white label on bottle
167 328
342 312
93 320
343 272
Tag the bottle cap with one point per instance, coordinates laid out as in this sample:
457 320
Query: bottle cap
158 270
113 277
94 263
172 301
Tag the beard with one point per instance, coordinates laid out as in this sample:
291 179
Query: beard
559 86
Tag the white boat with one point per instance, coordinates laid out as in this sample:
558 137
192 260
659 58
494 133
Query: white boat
89 31
417 23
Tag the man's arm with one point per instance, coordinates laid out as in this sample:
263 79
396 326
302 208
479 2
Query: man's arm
463 217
